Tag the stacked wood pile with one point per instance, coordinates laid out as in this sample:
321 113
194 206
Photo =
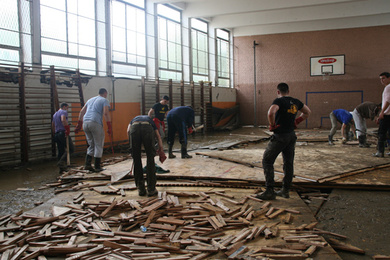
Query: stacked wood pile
175 225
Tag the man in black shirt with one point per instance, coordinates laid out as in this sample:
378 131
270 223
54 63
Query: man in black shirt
160 110
282 121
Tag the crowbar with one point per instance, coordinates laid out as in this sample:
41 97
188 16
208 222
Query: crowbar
67 151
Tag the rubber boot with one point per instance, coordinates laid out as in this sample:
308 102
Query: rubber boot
330 140
170 154
152 193
268 194
141 189
62 167
284 192
88 161
98 168
363 141
184 154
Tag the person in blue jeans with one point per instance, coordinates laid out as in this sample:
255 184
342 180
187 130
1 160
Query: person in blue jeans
344 117
282 121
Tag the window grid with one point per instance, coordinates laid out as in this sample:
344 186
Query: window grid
68 38
128 39
9 31
199 47
64 41
169 45
223 58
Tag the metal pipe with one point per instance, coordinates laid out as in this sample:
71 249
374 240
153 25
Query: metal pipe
255 90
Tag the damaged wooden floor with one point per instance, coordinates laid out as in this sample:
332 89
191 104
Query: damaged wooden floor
205 208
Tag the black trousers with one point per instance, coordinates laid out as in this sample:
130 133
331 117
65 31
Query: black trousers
384 128
143 134
280 143
60 139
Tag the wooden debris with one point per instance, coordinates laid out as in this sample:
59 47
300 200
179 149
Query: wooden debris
337 244
171 228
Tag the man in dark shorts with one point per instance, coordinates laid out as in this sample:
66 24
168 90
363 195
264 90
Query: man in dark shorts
282 121
143 131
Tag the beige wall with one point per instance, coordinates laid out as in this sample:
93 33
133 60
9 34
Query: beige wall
286 58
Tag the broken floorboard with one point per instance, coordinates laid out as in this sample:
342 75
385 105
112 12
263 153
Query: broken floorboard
312 161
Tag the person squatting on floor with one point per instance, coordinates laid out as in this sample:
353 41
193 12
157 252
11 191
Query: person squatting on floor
91 119
282 121
366 110
179 119
61 130
143 131
344 117
160 110
384 116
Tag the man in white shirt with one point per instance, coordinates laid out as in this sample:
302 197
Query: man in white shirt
384 116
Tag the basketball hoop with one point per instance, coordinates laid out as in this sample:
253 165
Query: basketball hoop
325 75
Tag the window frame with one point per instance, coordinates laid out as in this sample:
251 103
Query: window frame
219 57
76 58
167 70
140 68
198 31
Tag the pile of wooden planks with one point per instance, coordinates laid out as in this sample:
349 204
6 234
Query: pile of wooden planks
175 225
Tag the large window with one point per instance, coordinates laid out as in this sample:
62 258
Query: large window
69 34
169 43
199 47
9 31
223 57
128 38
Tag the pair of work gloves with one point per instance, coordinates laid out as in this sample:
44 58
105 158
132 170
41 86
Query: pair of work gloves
80 124
297 121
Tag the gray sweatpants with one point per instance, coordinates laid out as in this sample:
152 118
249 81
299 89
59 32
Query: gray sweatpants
95 138
360 123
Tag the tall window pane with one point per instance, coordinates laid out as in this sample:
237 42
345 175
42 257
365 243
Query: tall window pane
169 43
223 58
200 50
128 38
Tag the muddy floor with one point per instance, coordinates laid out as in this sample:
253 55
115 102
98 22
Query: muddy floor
362 216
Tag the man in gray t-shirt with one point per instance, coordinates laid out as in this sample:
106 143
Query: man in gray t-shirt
366 110
91 118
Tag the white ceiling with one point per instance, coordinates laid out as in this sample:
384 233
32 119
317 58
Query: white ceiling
256 17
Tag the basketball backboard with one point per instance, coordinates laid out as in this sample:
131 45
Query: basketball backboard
327 65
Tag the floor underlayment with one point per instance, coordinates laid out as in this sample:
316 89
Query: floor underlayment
218 181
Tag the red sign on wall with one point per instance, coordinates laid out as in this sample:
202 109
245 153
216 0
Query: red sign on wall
327 60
